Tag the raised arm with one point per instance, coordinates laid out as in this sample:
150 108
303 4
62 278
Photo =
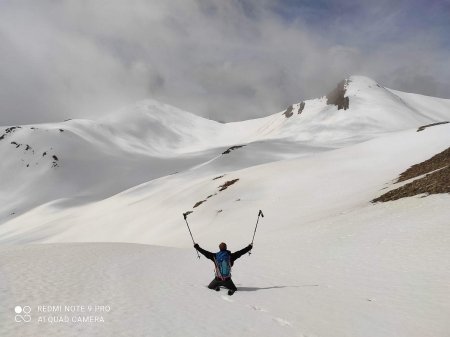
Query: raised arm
207 254
239 253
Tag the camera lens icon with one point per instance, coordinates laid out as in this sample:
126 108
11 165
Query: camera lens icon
22 314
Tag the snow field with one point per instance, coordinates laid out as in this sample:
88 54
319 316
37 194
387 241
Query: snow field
105 227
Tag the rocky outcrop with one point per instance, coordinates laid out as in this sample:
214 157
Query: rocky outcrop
436 162
289 111
227 183
436 181
337 96
423 127
433 183
302 107
294 108
232 149
198 203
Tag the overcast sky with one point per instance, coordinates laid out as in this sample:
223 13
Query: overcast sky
223 59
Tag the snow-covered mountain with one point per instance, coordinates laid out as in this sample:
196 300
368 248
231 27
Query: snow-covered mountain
78 161
327 261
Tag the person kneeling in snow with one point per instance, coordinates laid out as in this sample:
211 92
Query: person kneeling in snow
223 261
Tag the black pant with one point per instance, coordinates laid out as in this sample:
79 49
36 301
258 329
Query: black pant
228 283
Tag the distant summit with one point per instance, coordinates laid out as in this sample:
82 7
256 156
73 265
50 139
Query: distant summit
80 160
337 96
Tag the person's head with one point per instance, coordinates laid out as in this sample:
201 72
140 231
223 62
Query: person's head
223 246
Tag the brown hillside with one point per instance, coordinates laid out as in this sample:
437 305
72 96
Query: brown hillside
438 181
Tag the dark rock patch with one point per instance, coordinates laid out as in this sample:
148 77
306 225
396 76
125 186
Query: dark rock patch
423 127
187 213
218 177
289 111
302 107
227 184
232 149
17 145
198 203
55 161
28 147
61 130
337 96
433 183
12 129
438 181
44 154
436 162
2 136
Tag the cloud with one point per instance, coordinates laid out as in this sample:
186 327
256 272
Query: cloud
226 60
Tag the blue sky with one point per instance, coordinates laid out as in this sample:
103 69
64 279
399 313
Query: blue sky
406 17
229 60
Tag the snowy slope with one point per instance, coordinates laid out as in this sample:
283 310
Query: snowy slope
304 190
327 262
79 161
372 110
96 159
382 272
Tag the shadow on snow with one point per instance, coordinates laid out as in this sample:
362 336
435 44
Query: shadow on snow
274 287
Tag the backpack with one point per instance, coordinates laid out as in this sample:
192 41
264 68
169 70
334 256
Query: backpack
223 264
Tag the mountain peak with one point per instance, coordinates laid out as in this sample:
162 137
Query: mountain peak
362 80
150 109
339 96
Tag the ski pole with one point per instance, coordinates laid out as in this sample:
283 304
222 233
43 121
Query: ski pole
185 219
260 213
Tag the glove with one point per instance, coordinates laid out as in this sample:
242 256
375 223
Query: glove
196 246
